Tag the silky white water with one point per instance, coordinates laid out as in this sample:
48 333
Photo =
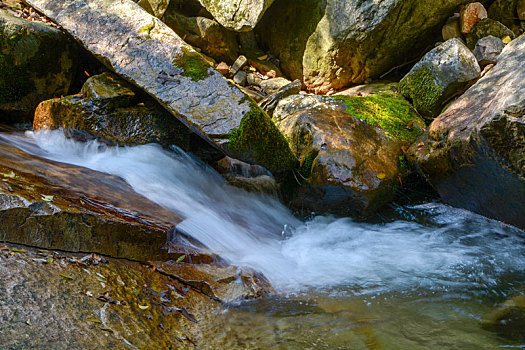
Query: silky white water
451 249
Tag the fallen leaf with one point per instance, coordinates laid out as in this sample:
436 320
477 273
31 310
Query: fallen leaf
181 258
65 276
10 175
19 250
47 198
28 322
381 176
506 39
143 307
92 319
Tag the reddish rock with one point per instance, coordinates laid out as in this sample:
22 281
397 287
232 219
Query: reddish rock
223 68
470 15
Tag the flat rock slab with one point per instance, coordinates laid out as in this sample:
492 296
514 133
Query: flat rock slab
146 52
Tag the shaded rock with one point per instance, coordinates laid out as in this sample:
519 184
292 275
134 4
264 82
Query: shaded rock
272 85
251 178
474 153
438 76
262 62
508 320
255 95
488 49
451 29
144 51
350 148
253 79
155 7
208 35
331 44
109 111
37 62
520 7
470 15
240 77
487 27
270 102
504 11
238 15
370 89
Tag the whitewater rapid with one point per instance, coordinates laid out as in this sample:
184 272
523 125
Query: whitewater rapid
453 248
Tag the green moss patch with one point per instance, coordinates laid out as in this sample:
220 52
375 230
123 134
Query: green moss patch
421 88
259 139
388 111
193 65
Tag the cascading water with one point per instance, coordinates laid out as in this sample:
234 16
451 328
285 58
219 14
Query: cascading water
453 248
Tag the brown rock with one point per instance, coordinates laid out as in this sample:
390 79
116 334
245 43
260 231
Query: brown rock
223 68
470 15
521 9
451 29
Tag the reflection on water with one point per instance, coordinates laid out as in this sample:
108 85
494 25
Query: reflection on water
419 283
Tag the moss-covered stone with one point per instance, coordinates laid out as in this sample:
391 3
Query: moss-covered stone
388 111
485 28
36 63
259 139
422 85
192 64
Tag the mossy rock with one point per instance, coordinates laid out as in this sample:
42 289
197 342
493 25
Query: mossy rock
486 28
193 65
37 63
258 139
389 111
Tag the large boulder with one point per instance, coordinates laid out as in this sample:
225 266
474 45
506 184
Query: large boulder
146 52
37 62
439 75
108 108
350 148
474 153
238 15
334 43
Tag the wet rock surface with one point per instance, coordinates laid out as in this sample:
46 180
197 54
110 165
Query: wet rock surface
37 62
144 51
62 301
474 153
349 166
108 109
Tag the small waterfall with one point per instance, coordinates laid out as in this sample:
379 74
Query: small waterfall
448 248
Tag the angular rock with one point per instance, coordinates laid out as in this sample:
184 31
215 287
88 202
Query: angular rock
155 7
474 153
253 79
451 29
223 68
144 51
208 35
439 75
470 15
334 43
238 15
239 64
109 111
270 86
270 102
487 27
488 49
240 77
350 148
37 62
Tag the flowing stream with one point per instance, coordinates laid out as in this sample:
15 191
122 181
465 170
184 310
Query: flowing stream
424 280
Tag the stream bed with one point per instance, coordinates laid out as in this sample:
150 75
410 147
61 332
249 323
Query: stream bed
425 278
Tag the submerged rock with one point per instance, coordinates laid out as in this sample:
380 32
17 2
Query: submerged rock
350 149
109 109
508 320
238 15
37 62
474 153
144 51
439 75
334 43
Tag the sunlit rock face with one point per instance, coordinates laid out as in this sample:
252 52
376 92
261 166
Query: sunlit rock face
331 44
238 15
474 153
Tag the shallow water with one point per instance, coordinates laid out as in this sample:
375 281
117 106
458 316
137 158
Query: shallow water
422 281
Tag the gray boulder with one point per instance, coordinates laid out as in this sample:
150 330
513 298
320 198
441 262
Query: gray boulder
37 62
439 75
144 51
238 15
334 43
488 49
474 153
